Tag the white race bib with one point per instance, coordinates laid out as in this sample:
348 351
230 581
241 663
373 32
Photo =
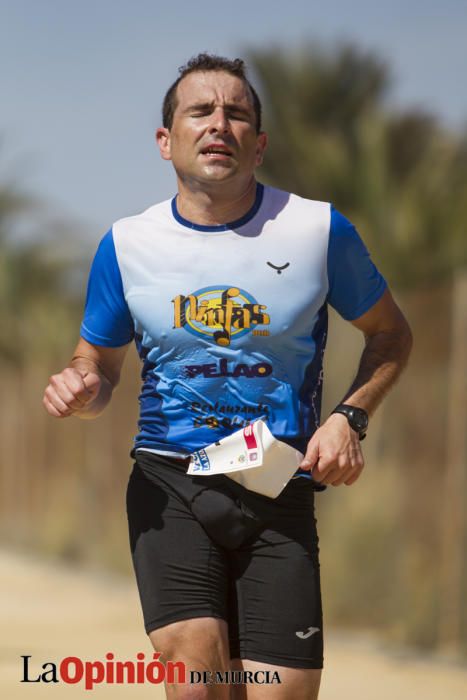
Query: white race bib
252 457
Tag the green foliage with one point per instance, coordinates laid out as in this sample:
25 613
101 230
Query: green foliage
400 177
32 284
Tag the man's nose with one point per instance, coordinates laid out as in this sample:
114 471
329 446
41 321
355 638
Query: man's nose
219 121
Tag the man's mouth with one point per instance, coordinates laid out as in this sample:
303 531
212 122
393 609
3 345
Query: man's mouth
216 150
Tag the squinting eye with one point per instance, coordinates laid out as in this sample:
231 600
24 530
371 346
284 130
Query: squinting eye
238 115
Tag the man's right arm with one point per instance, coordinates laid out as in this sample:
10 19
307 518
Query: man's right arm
85 387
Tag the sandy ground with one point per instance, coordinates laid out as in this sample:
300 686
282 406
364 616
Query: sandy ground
50 612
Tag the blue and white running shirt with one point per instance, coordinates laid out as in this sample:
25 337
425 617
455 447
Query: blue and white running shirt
230 321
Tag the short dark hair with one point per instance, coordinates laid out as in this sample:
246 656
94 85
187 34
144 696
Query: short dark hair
208 62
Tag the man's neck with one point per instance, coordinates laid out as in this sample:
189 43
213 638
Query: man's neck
216 206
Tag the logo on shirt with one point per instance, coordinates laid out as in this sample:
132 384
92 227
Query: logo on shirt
278 268
219 313
225 369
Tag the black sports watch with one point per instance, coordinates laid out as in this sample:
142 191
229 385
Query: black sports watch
357 417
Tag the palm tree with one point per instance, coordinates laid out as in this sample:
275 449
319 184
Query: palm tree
399 177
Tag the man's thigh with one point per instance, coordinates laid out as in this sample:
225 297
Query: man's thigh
275 612
181 574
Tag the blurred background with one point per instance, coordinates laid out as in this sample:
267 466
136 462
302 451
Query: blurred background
364 106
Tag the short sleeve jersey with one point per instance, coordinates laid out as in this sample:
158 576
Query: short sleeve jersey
229 321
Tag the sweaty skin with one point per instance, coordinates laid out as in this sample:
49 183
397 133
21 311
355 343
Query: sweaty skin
213 108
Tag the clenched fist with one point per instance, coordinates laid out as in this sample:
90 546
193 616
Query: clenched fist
70 392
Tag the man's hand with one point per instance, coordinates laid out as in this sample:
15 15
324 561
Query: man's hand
334 455
70 392
85 387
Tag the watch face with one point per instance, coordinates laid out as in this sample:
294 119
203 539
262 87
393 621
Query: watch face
360 419
357 417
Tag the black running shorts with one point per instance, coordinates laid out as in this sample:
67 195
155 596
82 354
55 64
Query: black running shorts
264 583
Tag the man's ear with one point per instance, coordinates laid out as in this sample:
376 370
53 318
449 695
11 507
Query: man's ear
163 141
261 143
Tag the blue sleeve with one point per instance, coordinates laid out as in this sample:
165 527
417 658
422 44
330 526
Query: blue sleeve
107 319
355 284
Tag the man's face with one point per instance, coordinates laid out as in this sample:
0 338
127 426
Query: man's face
213 136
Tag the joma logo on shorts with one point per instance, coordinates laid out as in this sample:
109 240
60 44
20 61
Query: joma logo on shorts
308 633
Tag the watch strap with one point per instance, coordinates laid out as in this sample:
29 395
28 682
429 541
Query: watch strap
357 418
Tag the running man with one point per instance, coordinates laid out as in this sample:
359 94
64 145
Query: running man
224 290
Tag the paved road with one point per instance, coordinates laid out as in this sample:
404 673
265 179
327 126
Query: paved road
50 612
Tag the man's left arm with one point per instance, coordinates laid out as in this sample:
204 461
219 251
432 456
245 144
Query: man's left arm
334 454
